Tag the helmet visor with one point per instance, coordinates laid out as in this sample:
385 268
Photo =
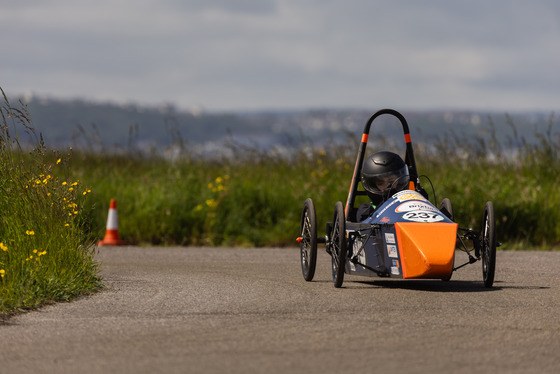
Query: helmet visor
382 184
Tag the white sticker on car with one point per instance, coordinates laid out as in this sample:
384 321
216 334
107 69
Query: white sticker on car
392 251
395 270
390 238
408 195
422 216
413 206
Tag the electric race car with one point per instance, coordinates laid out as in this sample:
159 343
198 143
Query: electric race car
405 237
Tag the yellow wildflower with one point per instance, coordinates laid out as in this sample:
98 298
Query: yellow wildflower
58 161
30 232
2 273
219 180
3 247
64 183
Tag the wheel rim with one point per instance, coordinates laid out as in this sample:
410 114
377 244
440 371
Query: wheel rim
335 250
488 246
485 247
306 241
308 245
338 240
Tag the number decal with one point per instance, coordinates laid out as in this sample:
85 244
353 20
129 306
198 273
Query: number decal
422 216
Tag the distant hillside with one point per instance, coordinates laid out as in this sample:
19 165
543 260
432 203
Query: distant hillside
111 127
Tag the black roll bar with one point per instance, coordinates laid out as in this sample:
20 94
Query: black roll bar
409 157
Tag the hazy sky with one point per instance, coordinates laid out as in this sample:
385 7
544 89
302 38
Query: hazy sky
265 54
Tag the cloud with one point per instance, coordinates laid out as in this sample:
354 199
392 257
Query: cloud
271 53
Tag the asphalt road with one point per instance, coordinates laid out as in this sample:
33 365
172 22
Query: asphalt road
220 310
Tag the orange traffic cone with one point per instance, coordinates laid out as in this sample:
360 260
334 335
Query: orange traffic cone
112 232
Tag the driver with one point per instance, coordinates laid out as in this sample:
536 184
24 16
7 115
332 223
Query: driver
383 174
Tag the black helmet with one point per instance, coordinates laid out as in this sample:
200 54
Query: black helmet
384 173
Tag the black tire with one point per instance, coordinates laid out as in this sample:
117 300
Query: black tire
338 245
447 209
488 245
308 244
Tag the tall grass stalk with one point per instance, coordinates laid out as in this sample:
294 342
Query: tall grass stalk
253 197
45 253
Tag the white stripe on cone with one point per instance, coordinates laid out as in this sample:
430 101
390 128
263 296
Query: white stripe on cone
113 220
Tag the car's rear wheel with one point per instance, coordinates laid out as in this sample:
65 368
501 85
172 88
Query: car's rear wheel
338 245
488 245
447 209
308 243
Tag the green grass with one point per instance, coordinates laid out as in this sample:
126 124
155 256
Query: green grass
45 253
255 197
523 187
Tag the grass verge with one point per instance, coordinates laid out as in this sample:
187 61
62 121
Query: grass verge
45 253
